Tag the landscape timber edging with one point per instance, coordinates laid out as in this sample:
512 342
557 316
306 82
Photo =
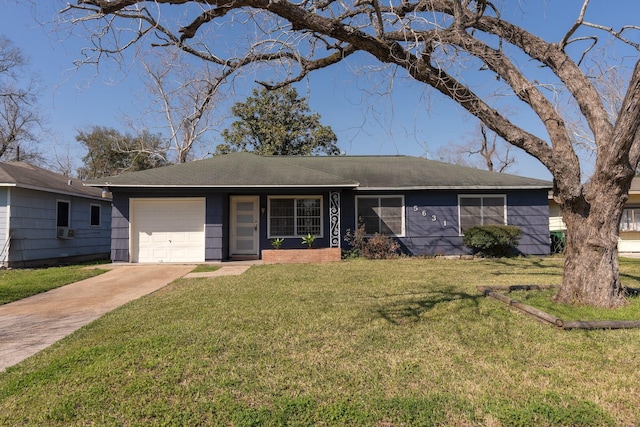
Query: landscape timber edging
544 317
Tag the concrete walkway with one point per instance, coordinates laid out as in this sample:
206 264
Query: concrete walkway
32 324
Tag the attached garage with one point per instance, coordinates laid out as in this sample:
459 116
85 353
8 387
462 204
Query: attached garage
167 230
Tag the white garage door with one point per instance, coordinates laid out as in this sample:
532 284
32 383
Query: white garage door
167 230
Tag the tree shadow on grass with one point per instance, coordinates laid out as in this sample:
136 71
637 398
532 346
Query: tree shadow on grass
412 307
630 277
536 267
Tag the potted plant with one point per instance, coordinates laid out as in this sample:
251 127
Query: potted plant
308 240
277 242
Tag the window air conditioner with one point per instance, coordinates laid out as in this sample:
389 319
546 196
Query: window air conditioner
66 233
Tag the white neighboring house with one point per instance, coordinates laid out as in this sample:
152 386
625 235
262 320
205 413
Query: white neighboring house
629 240
49 219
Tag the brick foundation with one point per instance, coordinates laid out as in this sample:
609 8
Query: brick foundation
301 256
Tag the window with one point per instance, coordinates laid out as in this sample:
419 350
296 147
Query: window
95 215
630 220
481 210
381 214
63 213
295 216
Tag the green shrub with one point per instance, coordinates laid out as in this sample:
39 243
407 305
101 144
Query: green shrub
378 246
558 242
493 240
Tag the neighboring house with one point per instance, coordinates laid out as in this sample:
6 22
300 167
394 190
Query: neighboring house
231 206
629 238
48 219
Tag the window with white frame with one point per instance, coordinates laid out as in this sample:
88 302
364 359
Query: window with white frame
295 216
95 215
630 220
381 214
481 210
63 213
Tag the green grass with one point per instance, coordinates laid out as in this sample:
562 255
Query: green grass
543 300
17 284
205 268
407 342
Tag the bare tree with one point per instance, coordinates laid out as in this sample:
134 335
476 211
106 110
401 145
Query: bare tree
439 43
19 117
483 151
184 95
62 163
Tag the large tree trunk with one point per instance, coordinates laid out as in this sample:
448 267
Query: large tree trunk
591 269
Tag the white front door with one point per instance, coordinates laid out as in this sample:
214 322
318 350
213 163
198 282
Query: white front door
244 225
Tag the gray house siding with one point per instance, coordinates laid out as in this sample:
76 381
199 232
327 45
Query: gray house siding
530 212
422 235
215 231
33 229
432 223
120 229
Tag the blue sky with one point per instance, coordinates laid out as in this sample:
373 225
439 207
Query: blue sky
411 121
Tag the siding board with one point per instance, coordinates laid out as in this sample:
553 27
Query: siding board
33 227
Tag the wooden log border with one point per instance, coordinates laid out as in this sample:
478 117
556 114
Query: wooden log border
496 293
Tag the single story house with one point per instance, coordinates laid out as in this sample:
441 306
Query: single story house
629 238
48 219
232 206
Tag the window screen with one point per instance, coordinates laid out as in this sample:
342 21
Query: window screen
381 214
481 210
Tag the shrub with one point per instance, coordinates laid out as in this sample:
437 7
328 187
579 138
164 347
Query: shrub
378 246
558 242
277 242
493 240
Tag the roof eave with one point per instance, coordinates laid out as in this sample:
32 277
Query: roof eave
457 187
54 191
111 185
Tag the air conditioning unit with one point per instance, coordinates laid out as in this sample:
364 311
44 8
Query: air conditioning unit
66 233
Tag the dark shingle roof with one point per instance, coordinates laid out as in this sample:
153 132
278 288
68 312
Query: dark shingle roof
23 175
363 172
391 172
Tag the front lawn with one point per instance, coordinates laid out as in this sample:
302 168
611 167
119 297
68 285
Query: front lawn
17 284
205 268
407 342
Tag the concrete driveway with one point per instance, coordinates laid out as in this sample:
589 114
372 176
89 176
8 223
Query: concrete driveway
32 324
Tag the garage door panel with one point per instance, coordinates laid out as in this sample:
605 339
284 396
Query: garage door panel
158 238
177 238
194 237
168 230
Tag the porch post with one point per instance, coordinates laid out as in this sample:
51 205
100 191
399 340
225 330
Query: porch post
334 219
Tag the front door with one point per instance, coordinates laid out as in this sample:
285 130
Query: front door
244 225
